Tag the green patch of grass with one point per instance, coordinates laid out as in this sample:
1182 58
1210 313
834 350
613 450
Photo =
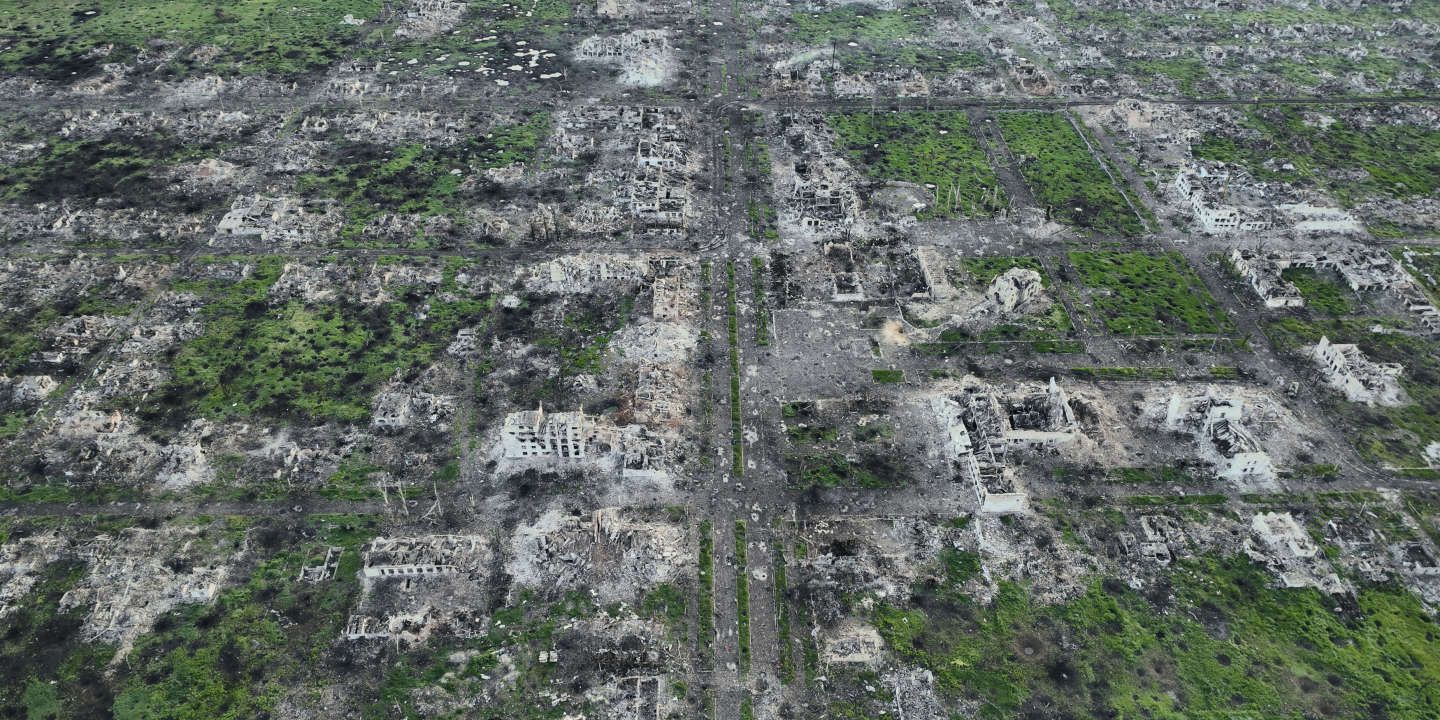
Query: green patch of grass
1139 293
666 602
1282 653
858 23
757 289
782 609
118 168
370 181
1178 500
732 327
934 149
1124 373
887 376
1063 174
1393 436
1224 372
293 359
983 270
1166 475
834 470
929 60
352 481
1321 294
235 658
1424 265
705 592
519 632
45 666
1392 160
54 38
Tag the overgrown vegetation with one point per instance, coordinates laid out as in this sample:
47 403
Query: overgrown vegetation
238 656
1148 294
732 327
1227 645
55 38
933 149
119 168
1063 174
1352 161
782 612
705 593
293 359
858 23
1394 436
429 181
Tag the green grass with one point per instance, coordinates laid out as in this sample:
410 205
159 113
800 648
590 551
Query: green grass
1321 294
1163 475
1224 372
856 23
515 635
927 148
983 270
1424 265
732 327
1229 644
666 602
52 37
887 376
370 181
835 470
757 290
782 609
1124 373
1148 294
118 168
1393 160
930 60
23 324
1063 174
1040 332
234 658
297 360
705 593
44 664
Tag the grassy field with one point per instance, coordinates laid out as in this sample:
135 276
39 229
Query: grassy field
1227 644
297 360
1137 293
119 168
934 149
1352 162
370 181
824 452
1322 295
55 37
857 23
1064 176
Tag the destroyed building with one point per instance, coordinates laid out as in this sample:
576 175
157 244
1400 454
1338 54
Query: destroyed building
1217 421
1358 378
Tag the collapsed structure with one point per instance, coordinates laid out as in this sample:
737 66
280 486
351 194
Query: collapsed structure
1361 380
1216 419
983 426
1362 269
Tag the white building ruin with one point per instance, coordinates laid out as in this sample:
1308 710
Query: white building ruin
1347 369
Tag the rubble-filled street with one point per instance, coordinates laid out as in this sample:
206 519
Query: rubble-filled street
743 360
